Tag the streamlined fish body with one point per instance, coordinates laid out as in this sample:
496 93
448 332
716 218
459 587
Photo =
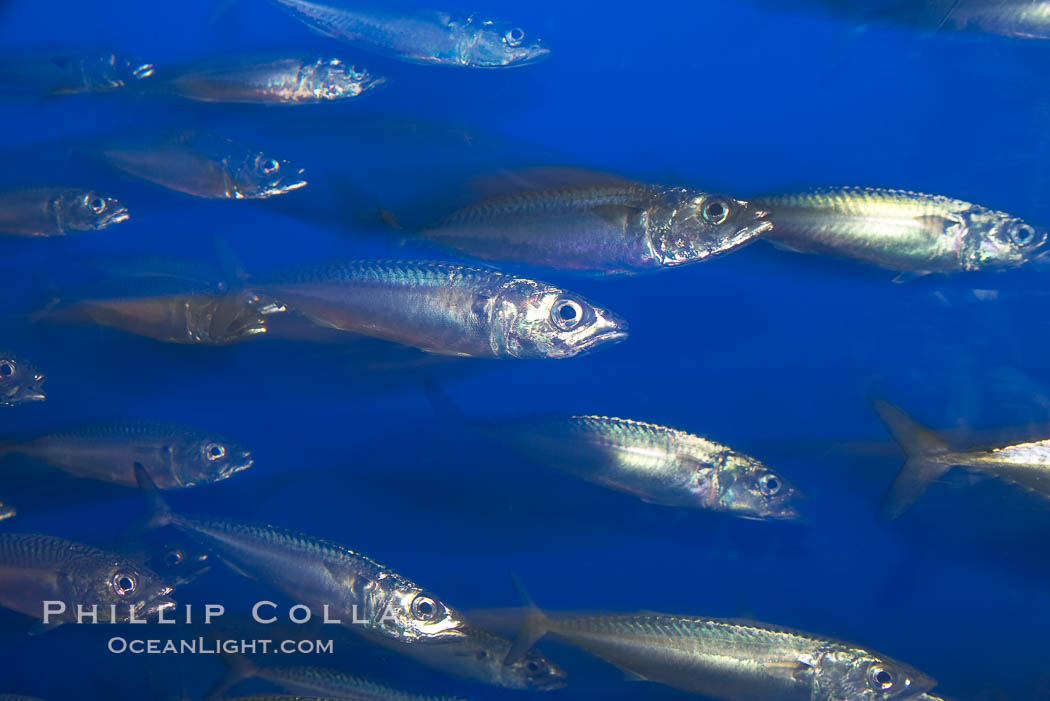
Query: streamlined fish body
608 228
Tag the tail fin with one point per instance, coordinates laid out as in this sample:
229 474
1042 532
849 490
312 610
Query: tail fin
159 512
534 625
238 668
926 458
443 405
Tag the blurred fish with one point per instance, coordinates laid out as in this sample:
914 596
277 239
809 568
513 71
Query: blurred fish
659 465
7 512
730 660
607 227
482 657
905 231
285 80
20 382
16 697
1020 19
929 457
314 680
68 71
446 308
427 37
175 456
167 309
53 211
176 562
365 596
206 166
37 568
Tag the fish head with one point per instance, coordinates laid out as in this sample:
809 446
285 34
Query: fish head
204 459
866 676
996 240
85 210
19 381
533 672
498 44
178 562
130 586
228 318
537 320
334 79
112 71
260 175
411 615
702 225
749 489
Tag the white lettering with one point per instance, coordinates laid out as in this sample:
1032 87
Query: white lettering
255 612
50 609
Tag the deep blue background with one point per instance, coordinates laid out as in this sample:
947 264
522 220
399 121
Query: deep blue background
771 352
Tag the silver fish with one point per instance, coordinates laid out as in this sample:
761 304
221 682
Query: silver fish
446 308
37 568
659 465
70 71
317 681
365 596
207 166
929 457
53 211
905 231
481 656
609 228
19 381
732 661
276 81
175 456
1019 19
166 309
426 37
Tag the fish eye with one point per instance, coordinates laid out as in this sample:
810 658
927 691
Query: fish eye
715 211
566 314
173 558
95 203
124 584
1022 234
770 485
269 166
214 451
533 666
425 609
881 678
6 369
515 36
481 654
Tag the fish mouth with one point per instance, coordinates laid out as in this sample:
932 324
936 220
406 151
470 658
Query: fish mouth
762 226
605 337
154 608
117 217
279 189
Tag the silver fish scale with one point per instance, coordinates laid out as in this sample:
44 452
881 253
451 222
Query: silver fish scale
146 429
641 431
328 680
847 198
700 628
300 541
581 197
31 549
387 270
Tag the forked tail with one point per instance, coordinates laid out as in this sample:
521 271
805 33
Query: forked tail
534 624
927 459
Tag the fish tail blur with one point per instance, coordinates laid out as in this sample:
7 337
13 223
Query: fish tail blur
158 510
443 405
925 462
238 668
534 624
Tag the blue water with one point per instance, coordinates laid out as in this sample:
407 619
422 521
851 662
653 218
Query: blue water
771 352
